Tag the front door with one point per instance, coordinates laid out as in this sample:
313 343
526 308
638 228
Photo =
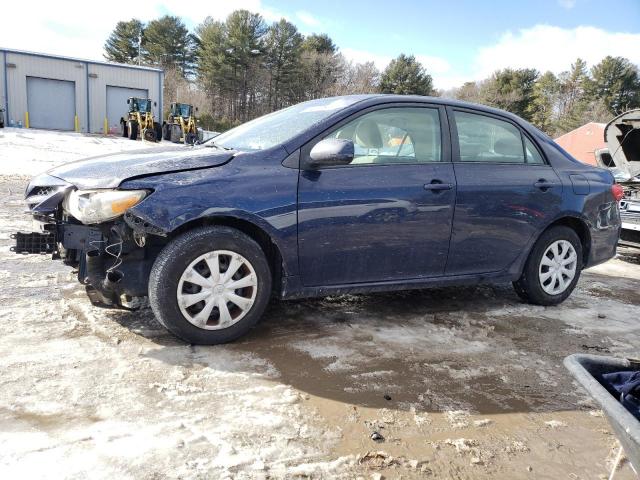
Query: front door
386 216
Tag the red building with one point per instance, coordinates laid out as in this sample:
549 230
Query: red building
582 142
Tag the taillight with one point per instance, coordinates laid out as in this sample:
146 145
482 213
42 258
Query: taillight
617 192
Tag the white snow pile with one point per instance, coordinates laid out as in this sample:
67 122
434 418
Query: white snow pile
30 151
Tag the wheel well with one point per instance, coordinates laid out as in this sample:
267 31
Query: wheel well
581 229
270 249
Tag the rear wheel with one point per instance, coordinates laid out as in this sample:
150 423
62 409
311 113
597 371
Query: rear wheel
158 129
124 128
176 133
210 285
132 129
552 269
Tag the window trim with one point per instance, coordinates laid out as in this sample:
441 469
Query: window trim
445 136
455 145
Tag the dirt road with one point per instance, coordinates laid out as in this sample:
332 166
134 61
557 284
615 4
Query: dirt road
456 382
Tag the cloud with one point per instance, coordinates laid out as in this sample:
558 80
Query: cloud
567 4
545 47
308 19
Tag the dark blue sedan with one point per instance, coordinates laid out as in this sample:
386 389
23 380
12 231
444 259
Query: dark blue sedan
347 194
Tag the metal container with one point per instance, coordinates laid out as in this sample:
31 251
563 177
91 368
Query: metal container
588 371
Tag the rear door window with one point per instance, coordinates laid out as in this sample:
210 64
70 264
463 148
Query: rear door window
487 139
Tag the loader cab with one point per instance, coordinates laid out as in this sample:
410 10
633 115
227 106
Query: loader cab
142 105
183 110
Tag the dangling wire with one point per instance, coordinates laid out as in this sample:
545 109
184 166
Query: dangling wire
108 250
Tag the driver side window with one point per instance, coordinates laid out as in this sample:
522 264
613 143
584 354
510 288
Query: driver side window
394 135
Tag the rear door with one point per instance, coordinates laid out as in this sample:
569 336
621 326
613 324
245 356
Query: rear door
386 216
506 192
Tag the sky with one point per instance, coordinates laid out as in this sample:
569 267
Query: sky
455 41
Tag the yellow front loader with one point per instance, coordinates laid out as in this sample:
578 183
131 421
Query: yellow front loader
180 126
139 120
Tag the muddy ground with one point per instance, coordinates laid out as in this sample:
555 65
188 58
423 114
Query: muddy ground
457 382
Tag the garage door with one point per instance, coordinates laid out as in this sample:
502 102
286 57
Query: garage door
51 103
117 104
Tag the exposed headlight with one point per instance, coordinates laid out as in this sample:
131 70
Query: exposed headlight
97 206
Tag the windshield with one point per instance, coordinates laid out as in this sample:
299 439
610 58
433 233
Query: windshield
140 105
182 110
278 127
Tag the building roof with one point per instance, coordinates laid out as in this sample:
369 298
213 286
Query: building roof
83 60
583 142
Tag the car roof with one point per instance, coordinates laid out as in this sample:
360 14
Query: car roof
377 98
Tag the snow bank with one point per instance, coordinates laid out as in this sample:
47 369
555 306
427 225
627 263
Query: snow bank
30 151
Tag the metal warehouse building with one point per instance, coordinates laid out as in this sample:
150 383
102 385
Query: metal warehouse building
61 93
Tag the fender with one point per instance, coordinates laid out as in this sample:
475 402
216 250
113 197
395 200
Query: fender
515 269
197 196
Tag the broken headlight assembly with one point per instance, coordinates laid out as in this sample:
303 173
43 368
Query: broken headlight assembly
97 206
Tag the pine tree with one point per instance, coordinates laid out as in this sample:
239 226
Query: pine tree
123 44
510 90
319 43
406 76
543 102
168 43
283 62
616 82
573 102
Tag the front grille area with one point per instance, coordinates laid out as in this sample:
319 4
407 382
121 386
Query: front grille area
42 191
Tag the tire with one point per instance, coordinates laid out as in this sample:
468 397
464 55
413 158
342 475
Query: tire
166 132
173 268
176 133
537 284
158 129
190 138
125 130
149 134
132 128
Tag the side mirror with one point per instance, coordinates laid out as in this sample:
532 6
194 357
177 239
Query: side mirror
331 152
196 109
128 101
155 104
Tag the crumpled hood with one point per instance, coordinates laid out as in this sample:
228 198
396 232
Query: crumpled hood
109 171
622 135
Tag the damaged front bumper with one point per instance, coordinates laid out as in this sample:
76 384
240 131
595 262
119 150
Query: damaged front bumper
112 260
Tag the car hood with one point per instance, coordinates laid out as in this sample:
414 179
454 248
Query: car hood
109 171
622 135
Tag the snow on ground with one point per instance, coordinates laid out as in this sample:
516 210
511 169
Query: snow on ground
463 382
31 151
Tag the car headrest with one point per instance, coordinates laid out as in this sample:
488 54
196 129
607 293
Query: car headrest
368 134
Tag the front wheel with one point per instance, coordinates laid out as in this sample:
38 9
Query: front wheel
210 285
552 269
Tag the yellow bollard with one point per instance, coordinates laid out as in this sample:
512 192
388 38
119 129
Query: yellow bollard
77 124
106 126
26 119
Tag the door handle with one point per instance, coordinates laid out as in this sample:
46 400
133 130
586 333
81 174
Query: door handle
543 185
437 186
